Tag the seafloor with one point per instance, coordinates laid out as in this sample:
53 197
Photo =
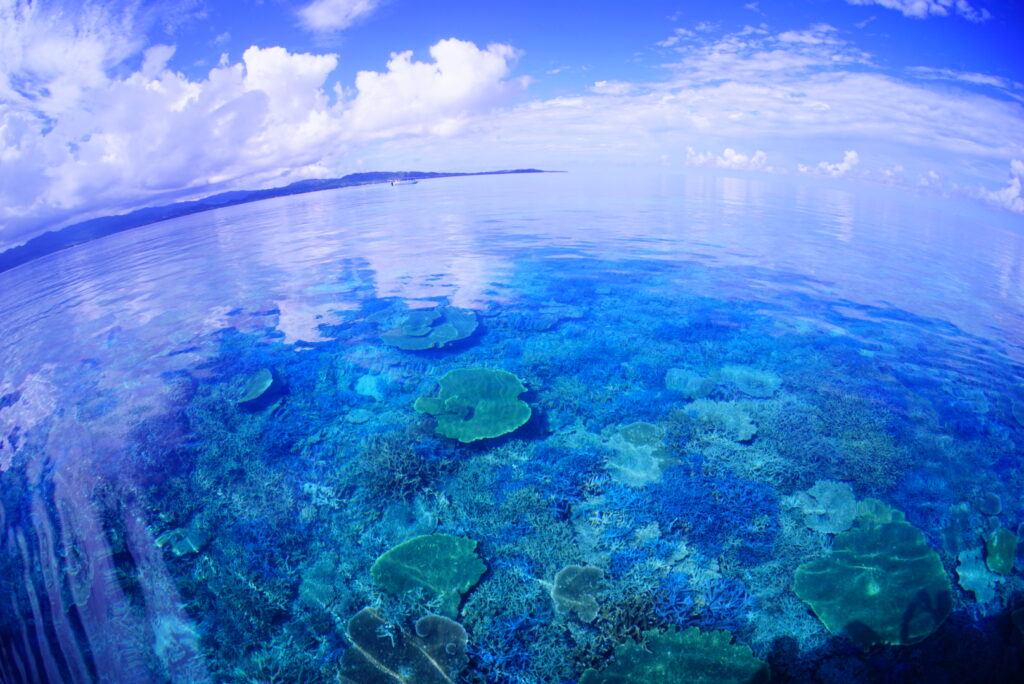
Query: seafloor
695 450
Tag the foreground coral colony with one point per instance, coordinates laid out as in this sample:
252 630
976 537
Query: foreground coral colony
693 353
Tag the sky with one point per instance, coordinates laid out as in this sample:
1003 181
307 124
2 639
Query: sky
106 106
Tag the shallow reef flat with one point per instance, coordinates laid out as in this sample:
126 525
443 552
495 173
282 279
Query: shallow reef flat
620 461
544 452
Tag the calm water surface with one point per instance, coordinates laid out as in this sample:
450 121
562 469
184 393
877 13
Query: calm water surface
719 372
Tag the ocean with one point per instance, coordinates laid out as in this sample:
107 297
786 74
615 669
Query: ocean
616 426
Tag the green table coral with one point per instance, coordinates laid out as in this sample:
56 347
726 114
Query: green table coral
443 565
476 403
691 656
430 328
1001 551
881 584
383 653
261 390
575 590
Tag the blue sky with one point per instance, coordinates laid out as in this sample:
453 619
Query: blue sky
106 106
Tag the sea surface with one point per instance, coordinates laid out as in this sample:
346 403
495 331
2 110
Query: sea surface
547 428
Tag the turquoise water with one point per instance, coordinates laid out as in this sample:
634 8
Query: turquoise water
724 380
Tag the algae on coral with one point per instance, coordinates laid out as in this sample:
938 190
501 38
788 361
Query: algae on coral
726 417
638 455
975 577
750 381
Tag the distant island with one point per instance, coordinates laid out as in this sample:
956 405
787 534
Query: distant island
76 234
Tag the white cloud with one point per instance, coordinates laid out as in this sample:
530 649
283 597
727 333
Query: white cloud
335 15
89 135
612 88
729 159
1011 88
677 35
797 99
850 159
755 53
422 97
1009 197
920 9
83 135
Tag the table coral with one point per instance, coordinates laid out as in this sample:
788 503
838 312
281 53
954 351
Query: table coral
476 403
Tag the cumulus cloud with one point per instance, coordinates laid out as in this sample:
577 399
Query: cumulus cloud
86 135
920 9
850 159
432 97
335 15
796 97
729 159
1009 197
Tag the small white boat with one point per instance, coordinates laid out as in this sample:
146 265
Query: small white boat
403 182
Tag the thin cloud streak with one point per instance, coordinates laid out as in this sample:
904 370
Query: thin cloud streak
921 9
335 15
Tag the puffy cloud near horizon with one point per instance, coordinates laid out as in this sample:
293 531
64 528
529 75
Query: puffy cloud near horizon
84 136
729 159
921 9
795 97
1009 197
335 15
850 159
432 97
116 127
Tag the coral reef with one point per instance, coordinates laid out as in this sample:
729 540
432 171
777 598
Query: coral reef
384 653
687 656
575 590
829 507
881 583
1001 551
430 328
476 403
680 459
443 565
